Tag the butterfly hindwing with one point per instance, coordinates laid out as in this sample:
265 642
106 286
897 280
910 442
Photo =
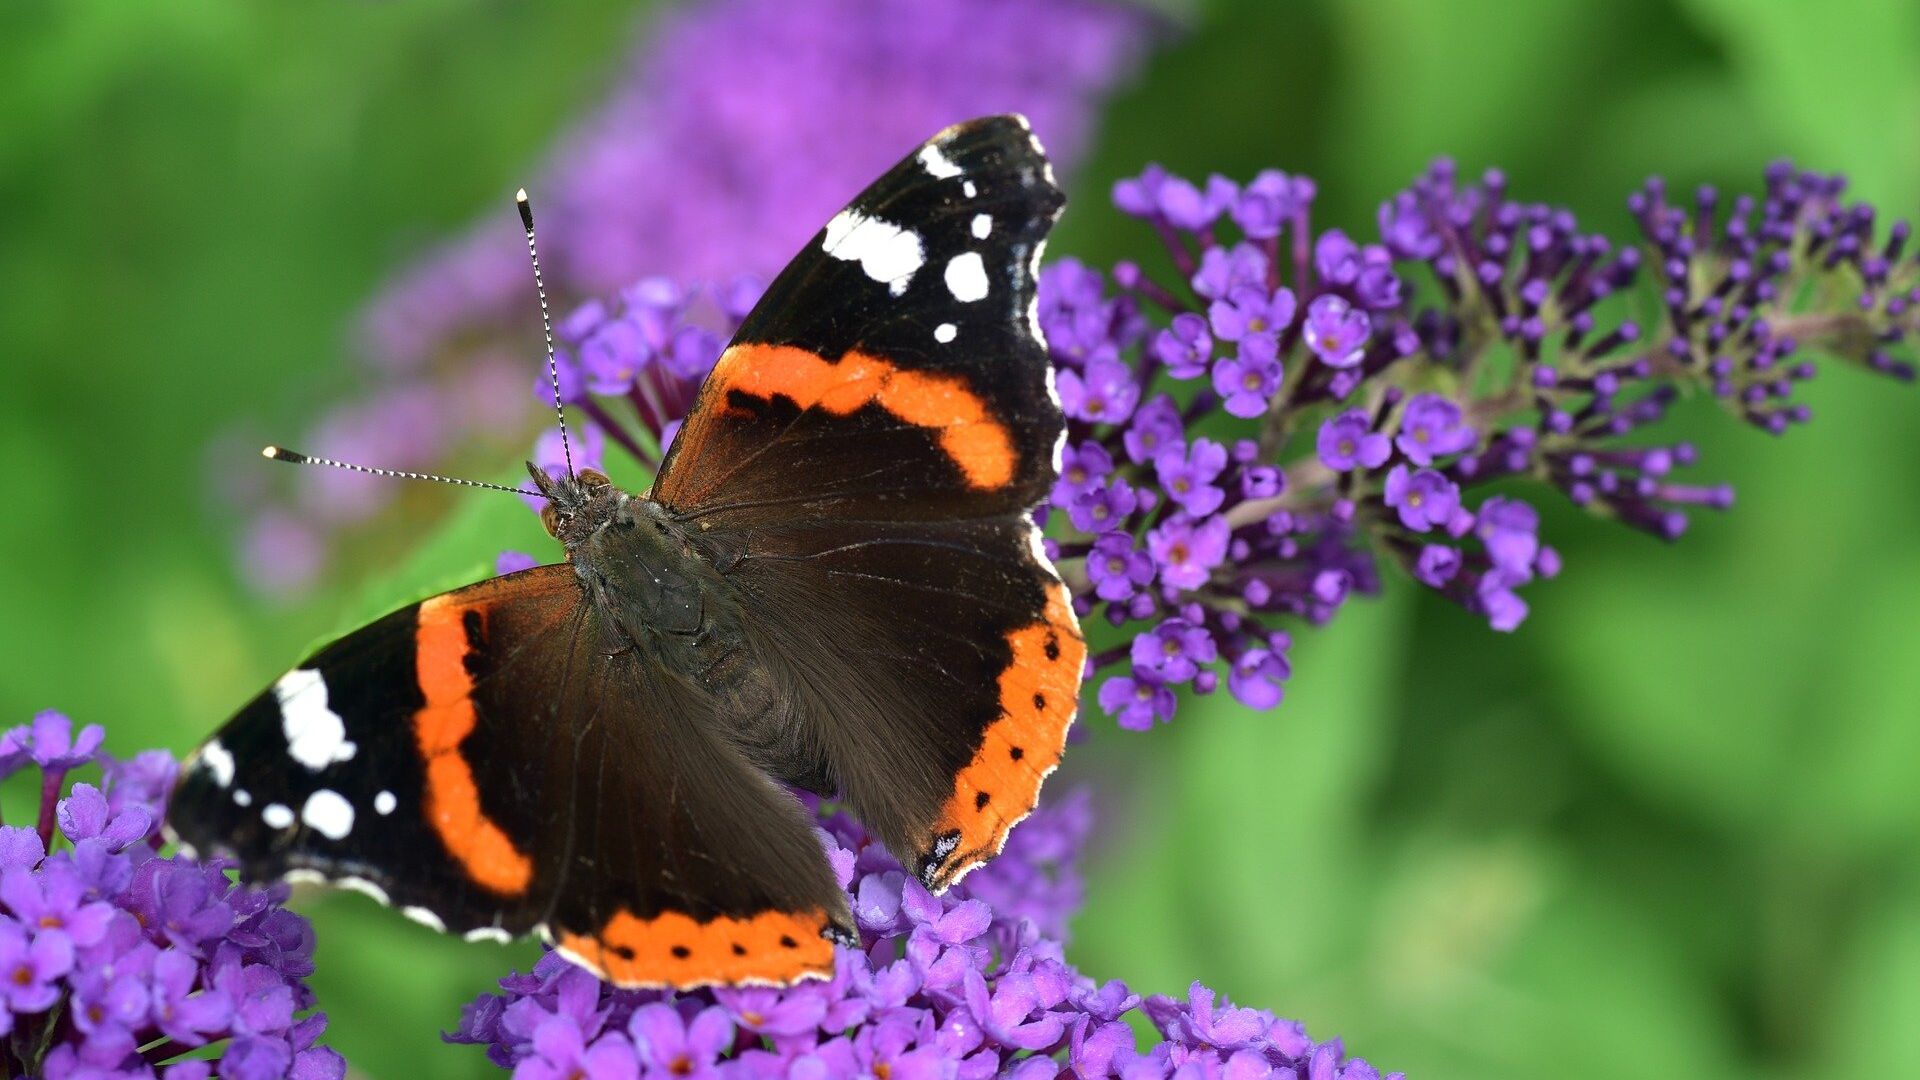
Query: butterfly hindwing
867 453
497 760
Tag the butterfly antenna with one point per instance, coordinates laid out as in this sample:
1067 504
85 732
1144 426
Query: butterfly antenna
546 323
281 453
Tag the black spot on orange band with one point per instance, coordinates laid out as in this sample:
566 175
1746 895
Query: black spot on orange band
1039 691
678 951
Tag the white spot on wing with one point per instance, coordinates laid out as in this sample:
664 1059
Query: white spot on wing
218 762
969 188
967 277
888 253
488 933
936 163
277 815
1033 302
982 225
242 797
425 918
1060 443
1037 545
1046 166
316 736
328 814
383 803
365 887
300 875
945 332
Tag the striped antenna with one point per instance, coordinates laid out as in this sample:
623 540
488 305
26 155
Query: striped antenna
281 453
546 323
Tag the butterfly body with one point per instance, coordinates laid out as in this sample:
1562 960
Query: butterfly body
834 584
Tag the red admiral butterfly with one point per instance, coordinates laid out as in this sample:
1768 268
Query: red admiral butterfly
834 584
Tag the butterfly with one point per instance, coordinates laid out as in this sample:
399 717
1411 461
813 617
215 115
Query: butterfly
835 584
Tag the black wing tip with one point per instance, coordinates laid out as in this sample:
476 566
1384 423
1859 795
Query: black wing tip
1010 131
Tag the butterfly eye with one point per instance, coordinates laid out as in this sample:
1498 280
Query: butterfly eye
550 518
593 478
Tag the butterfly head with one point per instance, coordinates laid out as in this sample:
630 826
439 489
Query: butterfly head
577 505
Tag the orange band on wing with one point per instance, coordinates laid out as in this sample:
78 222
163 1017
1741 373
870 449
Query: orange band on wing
1039 694
441 725
976 442
676 950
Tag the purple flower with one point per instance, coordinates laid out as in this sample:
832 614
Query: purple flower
1249 310
180 1012
1136 703
1156 193
1262 482
1503 607
1117 567
1174 651
665 1040
1269 202
1437 564
1187 475
1378 286
140 782
1103 506
561 1052
792 1011
1186 552
1336 258
1510 529
1348 441
1197 1022
512 562
145 955
1425 499
1105 394
1257 677
1185 346
1014 1012
1248 381
1155 427
51 744
54 903
1433 427
86 815
1336 332
1076 316
1225 270
30 968
1082 465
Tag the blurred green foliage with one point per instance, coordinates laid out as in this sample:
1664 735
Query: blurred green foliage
1672 827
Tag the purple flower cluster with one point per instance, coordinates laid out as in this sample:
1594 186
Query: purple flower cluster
1249 437
115 961
1245 446
967 985
691 171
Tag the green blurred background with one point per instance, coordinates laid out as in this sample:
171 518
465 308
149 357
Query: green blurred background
1672 827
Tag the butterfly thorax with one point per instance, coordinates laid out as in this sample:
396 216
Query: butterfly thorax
636 563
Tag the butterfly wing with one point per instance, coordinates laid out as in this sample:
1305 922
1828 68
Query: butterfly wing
496 761
865 458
